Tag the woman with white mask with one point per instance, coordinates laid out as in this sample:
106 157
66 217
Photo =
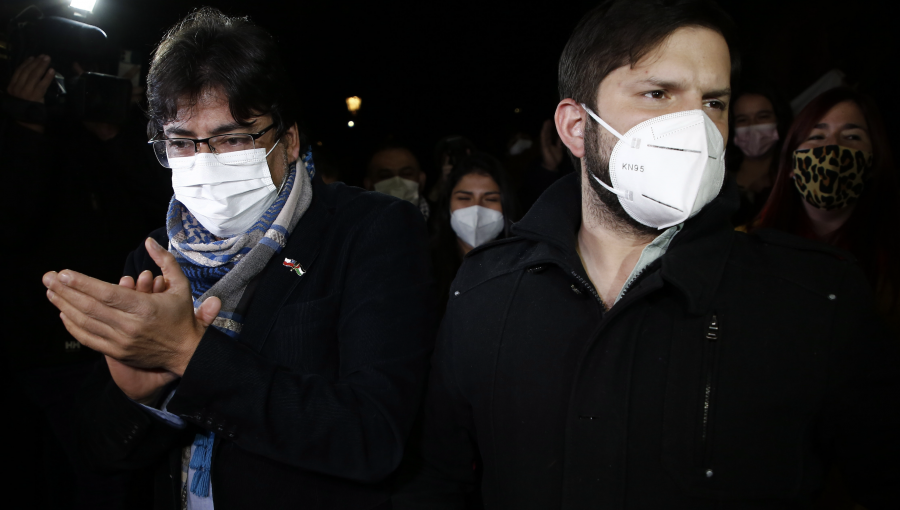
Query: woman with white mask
760 119
474 208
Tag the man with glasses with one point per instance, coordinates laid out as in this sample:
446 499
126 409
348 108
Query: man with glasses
267 348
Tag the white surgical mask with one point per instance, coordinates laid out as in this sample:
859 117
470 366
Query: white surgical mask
227 199
756 140
404 189
476 225
664 170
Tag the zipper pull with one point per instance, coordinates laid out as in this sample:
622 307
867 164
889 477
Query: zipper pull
712 333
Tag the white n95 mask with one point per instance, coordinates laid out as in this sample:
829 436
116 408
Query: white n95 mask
476 225
227 193
664 170
396 186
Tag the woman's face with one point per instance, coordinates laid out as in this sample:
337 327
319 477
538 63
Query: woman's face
753 109
844 124
476 189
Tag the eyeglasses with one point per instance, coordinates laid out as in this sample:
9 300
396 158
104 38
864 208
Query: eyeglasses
170 148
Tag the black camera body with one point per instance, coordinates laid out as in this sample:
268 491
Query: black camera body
89 96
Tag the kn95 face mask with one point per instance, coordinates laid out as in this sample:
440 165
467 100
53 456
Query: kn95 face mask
666 169
396 186
227 193
476 225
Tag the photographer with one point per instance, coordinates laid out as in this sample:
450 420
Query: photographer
80 190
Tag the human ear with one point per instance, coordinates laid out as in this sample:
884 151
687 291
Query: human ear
422 178
292 141
570 118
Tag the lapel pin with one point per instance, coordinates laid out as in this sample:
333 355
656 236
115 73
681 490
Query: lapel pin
294 266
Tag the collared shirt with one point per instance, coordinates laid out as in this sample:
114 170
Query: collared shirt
656 249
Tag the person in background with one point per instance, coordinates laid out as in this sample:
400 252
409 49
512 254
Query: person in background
837 183
394 170
551 165
474 207
761 119
446 153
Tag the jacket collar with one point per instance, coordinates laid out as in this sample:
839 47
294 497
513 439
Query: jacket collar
694 262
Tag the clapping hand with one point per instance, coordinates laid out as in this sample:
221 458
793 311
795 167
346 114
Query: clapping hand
148 329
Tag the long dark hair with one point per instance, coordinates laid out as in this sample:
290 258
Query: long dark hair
445 248
867 234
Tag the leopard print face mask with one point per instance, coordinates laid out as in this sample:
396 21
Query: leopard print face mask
832 176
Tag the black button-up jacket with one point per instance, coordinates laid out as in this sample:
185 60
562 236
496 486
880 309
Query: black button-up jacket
313 403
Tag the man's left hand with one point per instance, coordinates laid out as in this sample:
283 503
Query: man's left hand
143 330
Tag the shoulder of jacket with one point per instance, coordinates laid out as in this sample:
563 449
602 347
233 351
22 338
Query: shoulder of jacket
354 202
780 239
494 259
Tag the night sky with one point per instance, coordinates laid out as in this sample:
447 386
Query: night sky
425 70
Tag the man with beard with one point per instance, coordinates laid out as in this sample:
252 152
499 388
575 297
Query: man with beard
628 348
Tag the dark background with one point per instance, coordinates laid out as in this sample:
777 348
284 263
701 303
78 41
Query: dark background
425 70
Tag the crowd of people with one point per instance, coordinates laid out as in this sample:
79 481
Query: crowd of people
518 333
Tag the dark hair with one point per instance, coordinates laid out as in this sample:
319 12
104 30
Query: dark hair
445 248
390 145
620 32
208 50
867 233
454 146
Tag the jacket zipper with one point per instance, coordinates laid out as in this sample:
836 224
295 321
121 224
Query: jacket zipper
589 287
711 339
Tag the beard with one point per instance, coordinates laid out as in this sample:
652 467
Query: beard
604 205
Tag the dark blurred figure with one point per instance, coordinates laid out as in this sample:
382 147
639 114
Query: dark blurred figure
447 152
474 207
544 171
761 118
328 167
82 193
837 183
394 170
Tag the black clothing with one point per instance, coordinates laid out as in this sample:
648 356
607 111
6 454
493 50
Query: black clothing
730 375
312 404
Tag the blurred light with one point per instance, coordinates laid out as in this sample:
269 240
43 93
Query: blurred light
517 110
84 5
351 124
319 143
353 104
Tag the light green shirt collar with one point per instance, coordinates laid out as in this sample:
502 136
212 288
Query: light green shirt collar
656 249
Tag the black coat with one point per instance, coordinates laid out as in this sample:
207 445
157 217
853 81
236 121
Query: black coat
313 403
730 376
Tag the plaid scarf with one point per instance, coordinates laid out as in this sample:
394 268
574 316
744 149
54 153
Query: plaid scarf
212 267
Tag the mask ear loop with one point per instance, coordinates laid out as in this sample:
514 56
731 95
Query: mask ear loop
627 195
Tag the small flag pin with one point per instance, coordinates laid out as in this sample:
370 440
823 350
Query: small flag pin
294 266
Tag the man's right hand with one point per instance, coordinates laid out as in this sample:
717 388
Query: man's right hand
30 82
143 385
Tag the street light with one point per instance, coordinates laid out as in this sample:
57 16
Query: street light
353 104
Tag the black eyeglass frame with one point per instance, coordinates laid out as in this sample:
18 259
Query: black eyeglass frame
254 136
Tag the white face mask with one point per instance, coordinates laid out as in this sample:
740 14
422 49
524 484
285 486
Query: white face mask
404 189
227 199
476 225
664 170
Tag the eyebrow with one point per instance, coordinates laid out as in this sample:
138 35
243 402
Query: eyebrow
849 125
219 130
680 85
472 192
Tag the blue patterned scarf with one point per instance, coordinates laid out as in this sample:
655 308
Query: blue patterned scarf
223 268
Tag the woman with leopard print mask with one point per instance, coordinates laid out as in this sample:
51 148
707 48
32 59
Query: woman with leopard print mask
837 183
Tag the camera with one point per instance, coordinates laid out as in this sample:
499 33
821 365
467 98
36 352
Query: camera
93 96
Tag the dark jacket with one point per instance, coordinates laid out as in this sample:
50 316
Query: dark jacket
730 376
313 403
